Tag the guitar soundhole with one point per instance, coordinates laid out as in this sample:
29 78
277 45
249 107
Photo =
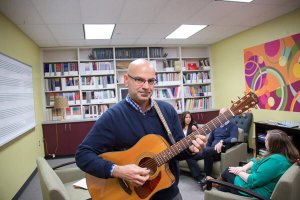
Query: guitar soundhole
150 164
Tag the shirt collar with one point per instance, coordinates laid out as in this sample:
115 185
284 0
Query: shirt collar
136 106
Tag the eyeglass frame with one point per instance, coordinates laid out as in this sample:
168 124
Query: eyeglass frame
143 81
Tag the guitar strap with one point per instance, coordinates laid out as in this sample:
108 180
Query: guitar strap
162 119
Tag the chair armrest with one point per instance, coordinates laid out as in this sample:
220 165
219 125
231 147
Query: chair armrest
233 156
70 174
238 188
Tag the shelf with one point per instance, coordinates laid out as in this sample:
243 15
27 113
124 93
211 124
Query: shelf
92 78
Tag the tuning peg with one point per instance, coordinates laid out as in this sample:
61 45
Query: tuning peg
245 92
239 97
232 101
247 107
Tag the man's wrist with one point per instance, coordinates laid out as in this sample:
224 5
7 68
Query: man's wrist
112 169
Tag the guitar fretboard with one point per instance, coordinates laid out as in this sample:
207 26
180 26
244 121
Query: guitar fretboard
183 144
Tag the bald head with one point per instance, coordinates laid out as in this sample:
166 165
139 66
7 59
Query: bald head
134 65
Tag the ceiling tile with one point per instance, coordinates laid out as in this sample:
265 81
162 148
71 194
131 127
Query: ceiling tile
58 12
101 11
37 32
24 13
140 11
123 31
67 32
175 12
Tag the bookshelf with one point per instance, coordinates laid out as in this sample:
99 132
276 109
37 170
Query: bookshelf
92 78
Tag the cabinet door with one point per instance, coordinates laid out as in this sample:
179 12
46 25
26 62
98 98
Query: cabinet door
204 117
50 142
76 134
63 139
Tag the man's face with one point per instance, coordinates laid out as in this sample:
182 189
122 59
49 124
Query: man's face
139 81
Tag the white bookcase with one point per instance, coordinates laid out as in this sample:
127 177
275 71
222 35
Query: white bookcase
92 78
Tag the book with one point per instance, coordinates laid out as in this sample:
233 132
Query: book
81 184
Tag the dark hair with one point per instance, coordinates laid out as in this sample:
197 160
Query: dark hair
280 143
183 115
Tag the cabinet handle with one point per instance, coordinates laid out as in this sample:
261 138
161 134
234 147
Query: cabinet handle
65 127
70 127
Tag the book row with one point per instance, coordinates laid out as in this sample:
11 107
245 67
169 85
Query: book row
196 104
199 77
96 68
197 91
60 69
98 97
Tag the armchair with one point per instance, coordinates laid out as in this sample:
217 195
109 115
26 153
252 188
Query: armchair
57 184
243 121
231 157
286 188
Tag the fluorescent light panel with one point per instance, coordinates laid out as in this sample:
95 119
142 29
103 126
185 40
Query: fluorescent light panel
98 31
185 31
243 1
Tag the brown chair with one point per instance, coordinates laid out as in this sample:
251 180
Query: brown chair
287 188
231 157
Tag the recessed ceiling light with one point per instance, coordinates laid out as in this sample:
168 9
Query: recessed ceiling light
242 1
185 31
98 31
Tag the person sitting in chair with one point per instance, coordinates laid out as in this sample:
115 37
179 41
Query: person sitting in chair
219 139
189 126
265 172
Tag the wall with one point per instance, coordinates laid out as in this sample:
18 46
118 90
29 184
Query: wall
18 156
228 63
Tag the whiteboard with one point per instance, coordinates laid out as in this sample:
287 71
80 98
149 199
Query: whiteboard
16 99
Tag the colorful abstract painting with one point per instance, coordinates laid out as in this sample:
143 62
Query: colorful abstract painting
272 71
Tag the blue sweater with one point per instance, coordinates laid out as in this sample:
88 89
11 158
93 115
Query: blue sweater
118 129
228 133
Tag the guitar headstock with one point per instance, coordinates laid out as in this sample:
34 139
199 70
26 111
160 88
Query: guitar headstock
246 102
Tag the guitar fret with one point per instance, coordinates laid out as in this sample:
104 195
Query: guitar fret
212 122
218 120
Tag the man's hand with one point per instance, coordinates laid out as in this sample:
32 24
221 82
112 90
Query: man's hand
133 174
194 128
218 147
198 144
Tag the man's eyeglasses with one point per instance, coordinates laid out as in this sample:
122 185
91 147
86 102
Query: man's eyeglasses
141 81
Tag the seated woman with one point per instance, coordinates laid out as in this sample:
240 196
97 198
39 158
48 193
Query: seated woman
265 172
188 126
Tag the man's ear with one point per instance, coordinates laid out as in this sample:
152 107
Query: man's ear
126 80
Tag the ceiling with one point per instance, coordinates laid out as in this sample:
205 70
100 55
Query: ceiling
59 23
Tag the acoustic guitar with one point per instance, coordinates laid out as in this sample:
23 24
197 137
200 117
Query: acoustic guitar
154 152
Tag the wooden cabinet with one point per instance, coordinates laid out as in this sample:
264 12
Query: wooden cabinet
204 117
62 139
261 129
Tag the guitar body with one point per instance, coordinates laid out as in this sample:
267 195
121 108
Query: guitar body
140 154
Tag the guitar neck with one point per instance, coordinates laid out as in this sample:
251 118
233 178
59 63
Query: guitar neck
183 144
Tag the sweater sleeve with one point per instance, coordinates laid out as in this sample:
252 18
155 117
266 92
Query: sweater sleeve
98 140
268 170
233 134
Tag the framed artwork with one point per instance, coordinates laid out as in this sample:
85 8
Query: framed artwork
272 71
